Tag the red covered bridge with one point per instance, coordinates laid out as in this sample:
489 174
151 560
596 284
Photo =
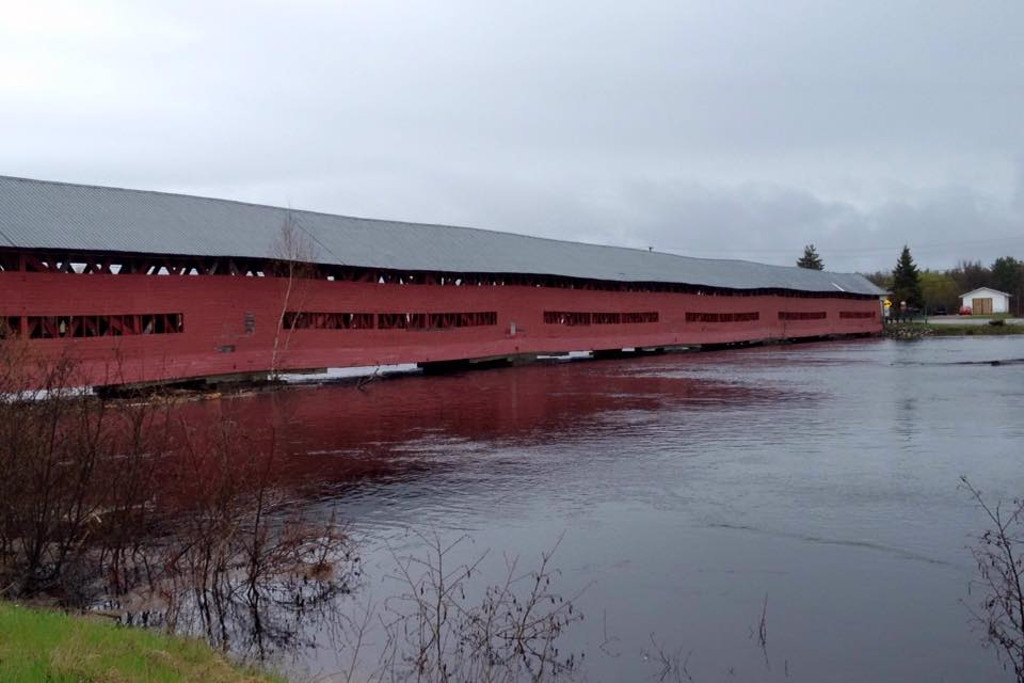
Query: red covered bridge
141 286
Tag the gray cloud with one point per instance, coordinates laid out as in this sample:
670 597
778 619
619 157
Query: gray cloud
733 129
1018 194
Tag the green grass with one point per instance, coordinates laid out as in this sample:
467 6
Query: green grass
967 330
990 316
43 645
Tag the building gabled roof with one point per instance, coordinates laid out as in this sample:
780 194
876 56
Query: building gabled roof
985 289
37 214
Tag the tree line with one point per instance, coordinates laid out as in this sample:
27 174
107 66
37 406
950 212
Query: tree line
937 290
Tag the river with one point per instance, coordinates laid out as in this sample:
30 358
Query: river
809 490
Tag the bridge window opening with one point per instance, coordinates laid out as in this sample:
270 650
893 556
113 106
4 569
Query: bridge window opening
802 315
401 321
571 319
10 326
722 317
857 314
639 318
444 321
76 326
307 320
577 318
435 321
143 264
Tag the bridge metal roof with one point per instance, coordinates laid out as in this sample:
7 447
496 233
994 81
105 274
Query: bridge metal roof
37 214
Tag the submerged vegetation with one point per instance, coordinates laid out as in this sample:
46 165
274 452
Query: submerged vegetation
134 510
131 507
999 586
128 508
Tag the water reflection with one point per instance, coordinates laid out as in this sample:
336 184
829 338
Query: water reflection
687 488
226 554
337 436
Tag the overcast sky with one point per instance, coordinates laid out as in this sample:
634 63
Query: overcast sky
707 128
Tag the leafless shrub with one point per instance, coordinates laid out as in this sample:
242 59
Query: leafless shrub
436 632
363 382
66 460
760 635
174 524
294 252
672 666
184 526
762 626
238 565
999 554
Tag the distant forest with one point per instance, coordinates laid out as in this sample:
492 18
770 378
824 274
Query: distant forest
941 290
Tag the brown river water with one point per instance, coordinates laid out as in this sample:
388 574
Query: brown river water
814 485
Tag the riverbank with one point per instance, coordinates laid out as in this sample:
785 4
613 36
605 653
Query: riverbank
942 330
919 330
46 645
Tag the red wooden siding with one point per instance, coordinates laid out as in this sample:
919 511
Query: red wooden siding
148 327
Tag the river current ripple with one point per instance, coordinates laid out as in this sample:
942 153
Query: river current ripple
815 483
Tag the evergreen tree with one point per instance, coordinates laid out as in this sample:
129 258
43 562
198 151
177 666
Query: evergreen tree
810 259
1008 276
906 281
1007 273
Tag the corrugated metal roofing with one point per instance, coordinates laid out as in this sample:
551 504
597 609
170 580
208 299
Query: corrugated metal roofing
990 289
50 215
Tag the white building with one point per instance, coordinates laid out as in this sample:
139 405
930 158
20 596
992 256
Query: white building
985 301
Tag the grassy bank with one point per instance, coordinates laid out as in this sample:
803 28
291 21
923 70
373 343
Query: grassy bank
42 645
970 330
919 330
